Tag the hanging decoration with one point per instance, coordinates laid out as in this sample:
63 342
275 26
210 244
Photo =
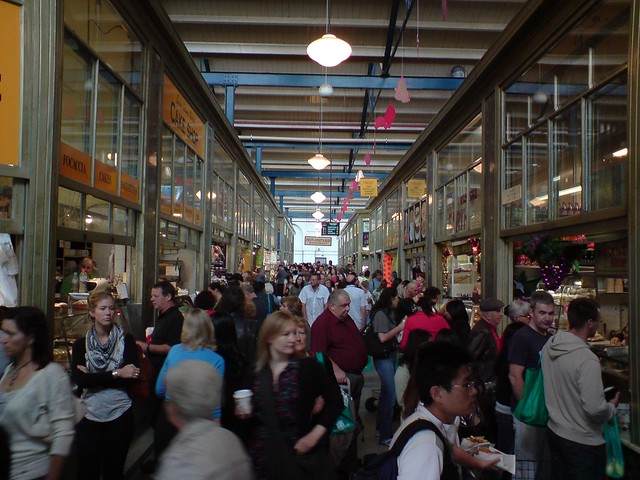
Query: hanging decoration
402 93
556 257
387 119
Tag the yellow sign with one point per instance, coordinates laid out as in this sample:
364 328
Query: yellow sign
416 188
105 178
129 188
318 241
368 187
10 72
74 164
178 114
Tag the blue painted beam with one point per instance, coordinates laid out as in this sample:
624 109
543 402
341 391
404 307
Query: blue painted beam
306 193
345 216
314 174
336 81
230 102
348 144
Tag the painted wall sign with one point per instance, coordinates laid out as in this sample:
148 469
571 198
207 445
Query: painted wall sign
318 241
74 164
416 188
129 188
105 178
178 114
10 75
369 187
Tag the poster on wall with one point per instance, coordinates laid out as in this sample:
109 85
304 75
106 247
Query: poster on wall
10 81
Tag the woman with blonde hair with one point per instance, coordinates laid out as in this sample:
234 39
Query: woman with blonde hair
198 343
104 364
287 442
293 305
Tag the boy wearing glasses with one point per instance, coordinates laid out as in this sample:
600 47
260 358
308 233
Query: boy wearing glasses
444 384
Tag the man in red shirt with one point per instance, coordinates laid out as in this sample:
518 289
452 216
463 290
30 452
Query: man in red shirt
336 336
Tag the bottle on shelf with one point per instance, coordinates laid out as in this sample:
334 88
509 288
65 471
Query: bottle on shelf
75 282
82 281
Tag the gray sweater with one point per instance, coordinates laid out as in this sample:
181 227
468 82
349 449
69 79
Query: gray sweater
573 390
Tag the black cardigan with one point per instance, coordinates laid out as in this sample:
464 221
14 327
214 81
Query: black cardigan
101 379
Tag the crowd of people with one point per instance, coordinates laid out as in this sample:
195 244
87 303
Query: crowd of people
237 390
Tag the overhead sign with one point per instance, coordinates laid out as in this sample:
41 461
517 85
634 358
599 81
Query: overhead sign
331 228
318 241
416 188
178 114
369 187
74 164
10 80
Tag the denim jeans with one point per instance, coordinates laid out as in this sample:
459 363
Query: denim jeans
575 461
386 368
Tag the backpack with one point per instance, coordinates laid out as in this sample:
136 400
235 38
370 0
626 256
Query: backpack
384 466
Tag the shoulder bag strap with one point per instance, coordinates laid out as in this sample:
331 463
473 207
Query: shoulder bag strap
411 430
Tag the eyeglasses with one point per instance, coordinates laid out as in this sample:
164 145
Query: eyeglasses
466 386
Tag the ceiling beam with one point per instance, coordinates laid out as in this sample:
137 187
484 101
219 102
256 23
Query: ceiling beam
305 193
337 81
323 175
252 141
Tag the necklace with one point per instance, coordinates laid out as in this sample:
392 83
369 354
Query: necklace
16 371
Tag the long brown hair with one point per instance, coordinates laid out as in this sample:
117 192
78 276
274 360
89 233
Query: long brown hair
273 325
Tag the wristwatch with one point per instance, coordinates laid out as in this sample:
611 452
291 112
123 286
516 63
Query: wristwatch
114 373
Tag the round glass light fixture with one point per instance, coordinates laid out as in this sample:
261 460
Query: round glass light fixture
329 50
318 161
318 197
325 90
318 215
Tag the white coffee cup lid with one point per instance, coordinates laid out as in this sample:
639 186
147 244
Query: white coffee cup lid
242 393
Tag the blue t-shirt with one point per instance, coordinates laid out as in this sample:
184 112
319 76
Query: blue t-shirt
525 347
178 354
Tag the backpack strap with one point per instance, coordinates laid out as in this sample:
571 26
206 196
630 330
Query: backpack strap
410 430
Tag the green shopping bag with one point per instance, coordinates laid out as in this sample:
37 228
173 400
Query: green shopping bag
615 459
531 408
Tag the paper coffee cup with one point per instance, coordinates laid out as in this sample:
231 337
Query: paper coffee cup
243 400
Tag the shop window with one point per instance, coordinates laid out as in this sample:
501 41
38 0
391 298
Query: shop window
69 208
178 190
461 152
122 221
131 131
449 208
107 118
607 140
166 172
537 175
197 187
474 208
77 92
189 190
512 192
97 217
567 151
6 197
100 25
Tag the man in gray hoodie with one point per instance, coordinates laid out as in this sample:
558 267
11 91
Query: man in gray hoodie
575 397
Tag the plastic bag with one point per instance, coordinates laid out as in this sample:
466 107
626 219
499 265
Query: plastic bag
615 459
531 408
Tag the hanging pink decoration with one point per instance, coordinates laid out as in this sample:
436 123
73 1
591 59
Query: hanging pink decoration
339 217
344 208
354 185
367 160
402 94
445 11
387 120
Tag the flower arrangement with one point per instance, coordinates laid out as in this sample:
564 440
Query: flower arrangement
555 257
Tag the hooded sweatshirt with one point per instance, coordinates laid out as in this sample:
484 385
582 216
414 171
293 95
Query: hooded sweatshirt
573 390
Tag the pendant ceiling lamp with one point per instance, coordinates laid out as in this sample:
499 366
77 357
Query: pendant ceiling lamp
318 197
329 50
318 215
318 161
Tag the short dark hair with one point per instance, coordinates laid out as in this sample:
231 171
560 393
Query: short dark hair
438 364
581 310
432 292
31 321
231 301
219 286
204 300
167 289
258 287
540 296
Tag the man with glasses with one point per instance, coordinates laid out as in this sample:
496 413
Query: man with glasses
575 397
442 376
531 448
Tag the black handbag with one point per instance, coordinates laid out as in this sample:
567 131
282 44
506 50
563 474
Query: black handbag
374 346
